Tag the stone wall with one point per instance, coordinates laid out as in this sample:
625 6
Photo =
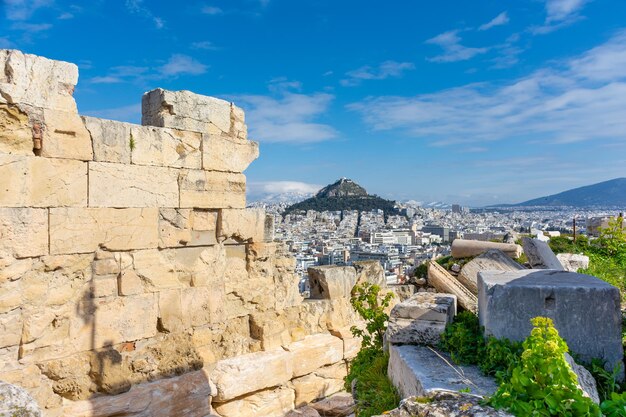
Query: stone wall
133 281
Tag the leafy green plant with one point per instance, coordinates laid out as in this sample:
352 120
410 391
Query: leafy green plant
499 357
370 305
606 381
368 370
542 383
463 339
612 238
615 406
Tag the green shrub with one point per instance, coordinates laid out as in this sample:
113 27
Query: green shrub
499 357
615 406
542 383
463 339
370 305
375 393
606 381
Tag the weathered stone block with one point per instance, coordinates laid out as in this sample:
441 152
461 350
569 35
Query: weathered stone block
203 305
166 147
585 310
65 136
269 403
370 271
222 153
37 81
315 351
441 279
11 328
492 260
82 230
572 262
186 111
320 384
110 139
119 185
539 255
16 401
170 311
242 224
417 370
187 395
187 227
331 282
23 232
240 375
16 134
30 181
212 189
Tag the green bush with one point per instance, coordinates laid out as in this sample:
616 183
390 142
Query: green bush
463 339
542 383
615 406
499 357
375 393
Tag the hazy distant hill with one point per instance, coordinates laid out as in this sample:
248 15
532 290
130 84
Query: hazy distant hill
344 194
610 193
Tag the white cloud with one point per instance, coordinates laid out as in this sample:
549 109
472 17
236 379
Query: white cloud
137 7
5 43
559 13
499 20
31 27
179 64
206 45
387 69
281 187
581 99
453 51
211 10
23 9
122 73
65 16
106 79
286 116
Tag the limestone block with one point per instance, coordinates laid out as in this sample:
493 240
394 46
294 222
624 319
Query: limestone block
129 283
118 185
462 248
12 269
104 286
439 278
37 81
42 182
187 395
154 269
539 255
187 227
170 311
331 282
166 147
585 381
241 375
224 339
185 110
242 224
65 136
492 260
421 319
202 306
305 411
271 329
16 133
287 290
212 189
418 370
82 230
111 139
10 328
238 119
269 403
222 153
23 232
446 403
585 310
339 405
38 386
319 384
370 271
314 352
105 321
572 262
17 401
402 292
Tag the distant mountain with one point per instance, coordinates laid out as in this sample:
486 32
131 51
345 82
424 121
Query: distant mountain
344 194
610 193
277 198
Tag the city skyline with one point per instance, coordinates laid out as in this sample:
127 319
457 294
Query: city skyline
497 102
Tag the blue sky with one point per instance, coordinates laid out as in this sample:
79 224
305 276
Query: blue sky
476 102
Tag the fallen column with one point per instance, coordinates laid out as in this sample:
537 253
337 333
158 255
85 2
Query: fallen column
539 255
439 278
492 260
462 248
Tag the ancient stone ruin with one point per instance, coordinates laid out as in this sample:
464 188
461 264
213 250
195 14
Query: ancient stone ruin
133 281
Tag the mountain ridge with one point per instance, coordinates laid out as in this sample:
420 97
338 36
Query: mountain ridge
610 193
